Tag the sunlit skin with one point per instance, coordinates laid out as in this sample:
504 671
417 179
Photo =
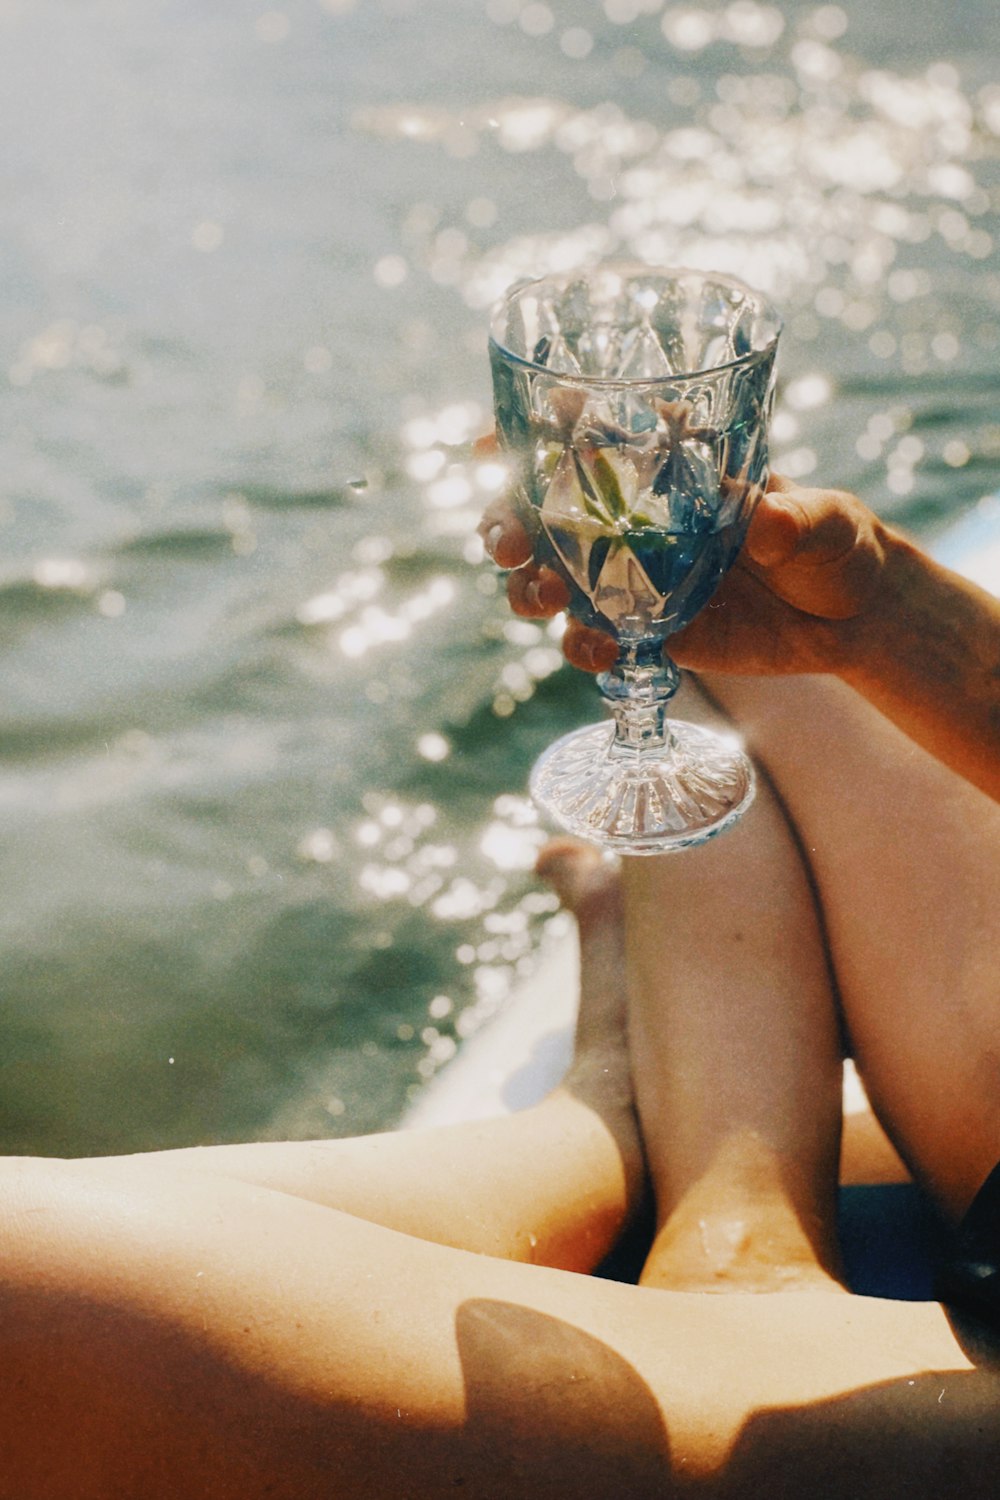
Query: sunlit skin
822 585
409 1316
810 556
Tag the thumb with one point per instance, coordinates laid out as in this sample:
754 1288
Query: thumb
819 528
776 531
820 550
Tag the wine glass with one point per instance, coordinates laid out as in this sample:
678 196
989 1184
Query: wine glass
633 404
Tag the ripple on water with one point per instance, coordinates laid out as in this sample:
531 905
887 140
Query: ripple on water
272 388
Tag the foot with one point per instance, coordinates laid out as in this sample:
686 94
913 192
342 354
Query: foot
729 1256
588 884
737 1230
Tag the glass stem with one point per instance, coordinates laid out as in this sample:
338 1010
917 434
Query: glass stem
639 686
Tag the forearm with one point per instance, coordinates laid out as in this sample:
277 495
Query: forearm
927 655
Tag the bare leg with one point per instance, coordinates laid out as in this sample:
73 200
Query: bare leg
174 1332
194 1336
866 1153
552 1185
736 1060
906 860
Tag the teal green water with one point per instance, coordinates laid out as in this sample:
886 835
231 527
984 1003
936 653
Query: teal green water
265 725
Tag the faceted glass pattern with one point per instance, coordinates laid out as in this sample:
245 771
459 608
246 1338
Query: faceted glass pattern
633 405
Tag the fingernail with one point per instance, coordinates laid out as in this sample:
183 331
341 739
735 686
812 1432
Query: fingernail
533 594
592 655
493 537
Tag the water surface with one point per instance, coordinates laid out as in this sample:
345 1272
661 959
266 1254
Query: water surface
265 723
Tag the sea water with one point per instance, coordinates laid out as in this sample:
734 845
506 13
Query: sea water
266 721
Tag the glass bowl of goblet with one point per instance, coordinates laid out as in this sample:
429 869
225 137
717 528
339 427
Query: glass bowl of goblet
633 405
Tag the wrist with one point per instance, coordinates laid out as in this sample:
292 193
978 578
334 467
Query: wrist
927 655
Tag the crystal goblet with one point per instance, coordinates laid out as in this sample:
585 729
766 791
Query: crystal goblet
633 406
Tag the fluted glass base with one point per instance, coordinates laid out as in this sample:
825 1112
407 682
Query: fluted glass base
644 800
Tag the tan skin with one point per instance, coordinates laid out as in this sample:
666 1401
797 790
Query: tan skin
409 1315
824 590
821 586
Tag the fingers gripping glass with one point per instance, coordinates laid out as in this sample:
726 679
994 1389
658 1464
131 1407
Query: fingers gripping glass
633 405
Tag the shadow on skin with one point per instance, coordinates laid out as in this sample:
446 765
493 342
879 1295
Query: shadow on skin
933 1437
553 1411
100 1396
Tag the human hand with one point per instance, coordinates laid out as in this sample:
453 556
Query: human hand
808 571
